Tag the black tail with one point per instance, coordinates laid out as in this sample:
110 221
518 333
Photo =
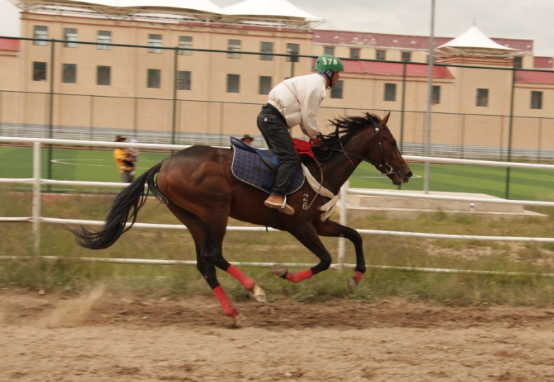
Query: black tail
125 208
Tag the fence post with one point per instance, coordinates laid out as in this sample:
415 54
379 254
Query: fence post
175 85
510 133
342 221
51 108
36 196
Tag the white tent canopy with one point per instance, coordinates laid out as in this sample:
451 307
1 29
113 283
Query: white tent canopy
194 5
475 40
269 8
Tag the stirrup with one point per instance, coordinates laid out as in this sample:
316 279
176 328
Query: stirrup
281 207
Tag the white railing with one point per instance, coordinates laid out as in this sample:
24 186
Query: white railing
36 217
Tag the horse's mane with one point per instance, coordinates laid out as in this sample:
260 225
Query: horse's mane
345 128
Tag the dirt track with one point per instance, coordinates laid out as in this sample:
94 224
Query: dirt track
101 337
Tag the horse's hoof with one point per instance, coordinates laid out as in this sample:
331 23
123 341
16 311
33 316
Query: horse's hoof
241 321
259 294
279 271
352 284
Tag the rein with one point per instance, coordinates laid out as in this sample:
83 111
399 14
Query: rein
388 169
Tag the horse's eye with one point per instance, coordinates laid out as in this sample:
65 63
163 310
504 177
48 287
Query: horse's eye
393 143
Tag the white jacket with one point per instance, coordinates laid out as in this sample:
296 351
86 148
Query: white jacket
298 99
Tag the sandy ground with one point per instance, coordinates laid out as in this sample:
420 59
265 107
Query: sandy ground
106 337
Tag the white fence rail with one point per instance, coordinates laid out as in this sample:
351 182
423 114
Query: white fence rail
36 217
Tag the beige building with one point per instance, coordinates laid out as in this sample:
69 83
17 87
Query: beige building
117 70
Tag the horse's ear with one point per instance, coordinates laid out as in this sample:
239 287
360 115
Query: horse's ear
384 120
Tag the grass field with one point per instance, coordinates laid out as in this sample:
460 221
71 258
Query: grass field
98 165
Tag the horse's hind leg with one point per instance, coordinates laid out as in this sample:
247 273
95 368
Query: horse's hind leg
212 252
207 269
307 235
330 228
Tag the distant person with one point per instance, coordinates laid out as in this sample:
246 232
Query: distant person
133 154
247 139
125 165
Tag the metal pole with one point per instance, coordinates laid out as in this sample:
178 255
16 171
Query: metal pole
36 197
51 108
510 133
175 84
404 66
429 95
403 106
91 133
342 221
540 139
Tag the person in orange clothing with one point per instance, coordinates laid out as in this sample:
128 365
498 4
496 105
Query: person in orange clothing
124 162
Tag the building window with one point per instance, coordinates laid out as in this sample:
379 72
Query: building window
329 50
265 85
104 40
39 71
336 90
154 40
482 97
233 45
390 92
536 100
518 62
233 83
154 78
185 42
42 33
69 73
355 53
183 80
436 96
380 55
70 34
266 47
406 56
103 75
293 49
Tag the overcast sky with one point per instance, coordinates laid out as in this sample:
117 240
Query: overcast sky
523 19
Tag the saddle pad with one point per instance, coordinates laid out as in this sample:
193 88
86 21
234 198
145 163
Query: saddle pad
249 168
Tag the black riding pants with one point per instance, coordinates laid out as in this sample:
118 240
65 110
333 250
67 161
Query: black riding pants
274 129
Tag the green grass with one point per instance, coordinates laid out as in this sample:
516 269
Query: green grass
70 276
99 165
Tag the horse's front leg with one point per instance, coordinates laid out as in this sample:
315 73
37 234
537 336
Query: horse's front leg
307 235
330 228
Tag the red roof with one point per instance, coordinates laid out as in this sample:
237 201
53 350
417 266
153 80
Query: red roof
9 45
546 78
542 63
333 37
393 69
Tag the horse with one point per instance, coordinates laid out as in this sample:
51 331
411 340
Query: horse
198 187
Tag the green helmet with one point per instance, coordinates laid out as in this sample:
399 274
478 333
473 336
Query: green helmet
327 62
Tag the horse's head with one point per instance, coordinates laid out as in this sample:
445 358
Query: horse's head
368 138
385 155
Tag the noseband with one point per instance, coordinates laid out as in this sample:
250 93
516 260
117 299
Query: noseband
388 169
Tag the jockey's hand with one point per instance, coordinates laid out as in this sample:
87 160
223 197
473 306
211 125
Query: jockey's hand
318 143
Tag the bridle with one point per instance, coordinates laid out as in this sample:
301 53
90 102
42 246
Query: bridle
388 169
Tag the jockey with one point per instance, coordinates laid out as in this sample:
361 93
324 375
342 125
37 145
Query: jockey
295 101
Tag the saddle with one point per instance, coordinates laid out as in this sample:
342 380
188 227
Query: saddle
258 167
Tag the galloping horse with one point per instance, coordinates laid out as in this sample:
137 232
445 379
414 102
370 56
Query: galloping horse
197 185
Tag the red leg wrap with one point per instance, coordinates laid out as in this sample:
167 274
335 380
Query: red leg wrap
299 276
246 281
228 308
358 276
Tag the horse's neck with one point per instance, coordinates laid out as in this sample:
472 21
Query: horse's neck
337 170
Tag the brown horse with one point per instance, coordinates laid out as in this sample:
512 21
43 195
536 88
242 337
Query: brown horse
197 185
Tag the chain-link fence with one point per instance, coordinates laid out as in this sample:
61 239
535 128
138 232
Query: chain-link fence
156 94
